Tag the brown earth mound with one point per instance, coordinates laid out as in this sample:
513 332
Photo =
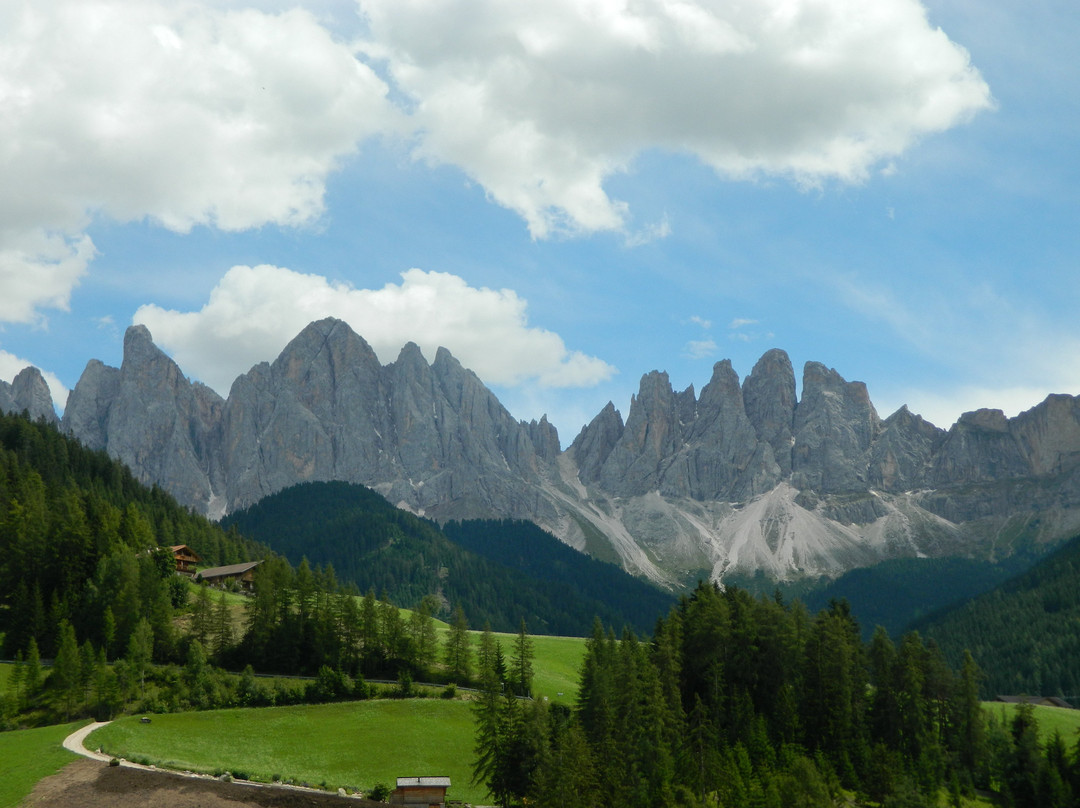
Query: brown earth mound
91 784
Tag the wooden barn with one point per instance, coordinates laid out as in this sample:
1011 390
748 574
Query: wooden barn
243 574
185 559
421 792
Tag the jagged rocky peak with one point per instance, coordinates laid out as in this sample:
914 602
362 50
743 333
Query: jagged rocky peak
544 437
150 416
651 435
28 392
835 424
595 441
769 397
86 415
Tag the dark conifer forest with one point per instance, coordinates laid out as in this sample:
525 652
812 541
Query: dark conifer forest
744 701
499 571
1025 634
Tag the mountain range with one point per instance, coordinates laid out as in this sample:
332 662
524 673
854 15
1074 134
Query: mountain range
743 478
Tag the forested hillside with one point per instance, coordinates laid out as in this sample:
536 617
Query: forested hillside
1025 634
743 701
897 592
500 574
77 539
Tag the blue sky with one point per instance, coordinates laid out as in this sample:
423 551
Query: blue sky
566 195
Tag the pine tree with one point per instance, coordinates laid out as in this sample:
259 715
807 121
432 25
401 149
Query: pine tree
521 663
66 676
140 650
223 630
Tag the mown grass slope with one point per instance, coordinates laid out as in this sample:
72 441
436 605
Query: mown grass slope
28 755
1061 719
351 745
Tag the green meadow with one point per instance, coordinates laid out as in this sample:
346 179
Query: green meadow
556 660
556 664
1065 721
28 755
352 745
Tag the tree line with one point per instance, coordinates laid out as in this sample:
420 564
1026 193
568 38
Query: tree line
744 701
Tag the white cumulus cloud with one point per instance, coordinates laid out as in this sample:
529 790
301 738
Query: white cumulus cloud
542 102
253 312
179 113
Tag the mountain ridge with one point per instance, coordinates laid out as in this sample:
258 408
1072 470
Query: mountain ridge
741 478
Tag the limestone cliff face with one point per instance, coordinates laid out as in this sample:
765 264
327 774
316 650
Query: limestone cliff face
150 416
430 437
29 393
744 477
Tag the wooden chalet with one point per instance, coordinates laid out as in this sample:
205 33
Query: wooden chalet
185 559
420 792
243 574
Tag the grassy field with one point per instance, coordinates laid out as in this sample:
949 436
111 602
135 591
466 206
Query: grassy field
556 664
27 755
1065 721
556 660
351 745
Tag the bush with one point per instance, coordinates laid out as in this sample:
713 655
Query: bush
450 691
379 793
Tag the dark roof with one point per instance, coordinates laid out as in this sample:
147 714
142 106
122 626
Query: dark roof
1048 700
232 569
422 782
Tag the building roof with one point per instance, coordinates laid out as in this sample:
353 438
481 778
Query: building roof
423 782
1050 700
231 569
177 548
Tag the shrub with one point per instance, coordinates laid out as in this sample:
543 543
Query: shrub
379 793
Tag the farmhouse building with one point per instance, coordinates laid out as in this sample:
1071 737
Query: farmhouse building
185 559
243 574
421 792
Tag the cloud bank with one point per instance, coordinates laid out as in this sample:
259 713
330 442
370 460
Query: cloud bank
542 102
195 114
178 113
253 312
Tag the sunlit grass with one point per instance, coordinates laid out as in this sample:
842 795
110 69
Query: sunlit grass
28 755
1062 719
351 745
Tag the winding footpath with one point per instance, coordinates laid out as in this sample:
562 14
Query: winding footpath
74 741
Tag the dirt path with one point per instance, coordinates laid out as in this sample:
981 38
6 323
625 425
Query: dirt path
92 783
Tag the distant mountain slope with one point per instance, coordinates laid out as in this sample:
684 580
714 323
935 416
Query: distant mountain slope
371 543
533 551
897 592
1025 634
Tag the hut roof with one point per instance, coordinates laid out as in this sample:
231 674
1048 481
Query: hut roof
231 569
423 782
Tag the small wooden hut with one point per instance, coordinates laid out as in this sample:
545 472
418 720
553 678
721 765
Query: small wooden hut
420 792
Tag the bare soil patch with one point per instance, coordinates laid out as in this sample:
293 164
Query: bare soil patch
92 784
